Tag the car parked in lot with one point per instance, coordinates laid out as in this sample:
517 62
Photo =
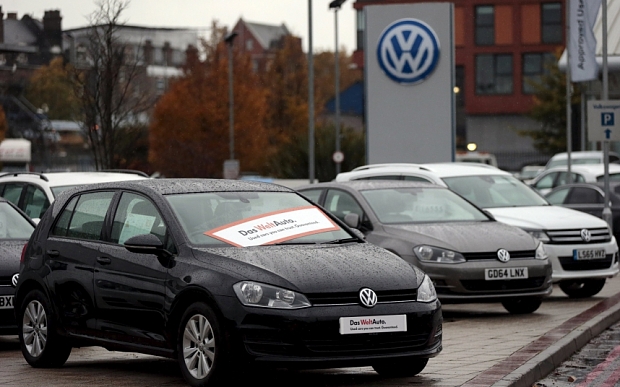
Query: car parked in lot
15 229
216 273
558 176
581 248
580 158
469 256
589 198
33 192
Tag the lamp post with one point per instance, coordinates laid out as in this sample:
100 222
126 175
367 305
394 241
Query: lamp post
310 98
335 5
231 166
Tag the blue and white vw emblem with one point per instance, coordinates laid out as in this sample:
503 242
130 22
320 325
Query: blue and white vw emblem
408 51
585 235
368 297
503 255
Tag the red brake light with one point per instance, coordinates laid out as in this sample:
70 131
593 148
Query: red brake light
21 259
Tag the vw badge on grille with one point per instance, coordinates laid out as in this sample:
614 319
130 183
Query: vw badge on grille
368 297
585 235
503 255
14 279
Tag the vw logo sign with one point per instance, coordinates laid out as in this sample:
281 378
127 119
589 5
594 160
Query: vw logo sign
408 51
585 235
368 297
14 279
503 255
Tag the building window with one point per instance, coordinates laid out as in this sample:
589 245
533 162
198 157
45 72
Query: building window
361 26
535 65
551 20
459 87
494 74
249 44
159 55
485 25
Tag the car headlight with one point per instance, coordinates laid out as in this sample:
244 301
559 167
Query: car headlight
540 251
438 255
538 234
268 296
426 291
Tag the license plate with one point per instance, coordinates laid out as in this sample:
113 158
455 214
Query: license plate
584 255
6 302
373 324
505 273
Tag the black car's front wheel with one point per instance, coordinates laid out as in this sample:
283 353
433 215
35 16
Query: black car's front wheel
582 288
40 343
201 346
522 305
400 367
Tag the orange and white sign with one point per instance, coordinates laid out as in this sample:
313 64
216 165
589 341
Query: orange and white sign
274 227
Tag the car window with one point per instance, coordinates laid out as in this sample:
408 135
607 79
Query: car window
489 191
612 177
546 181
382 177
416 178
312 194
613 159
341 203
583 195
13 225
421 205
563 178
85 217
12 192
136 215
35 202
557 196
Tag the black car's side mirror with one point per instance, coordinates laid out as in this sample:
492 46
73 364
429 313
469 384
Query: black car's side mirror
490 215
145 244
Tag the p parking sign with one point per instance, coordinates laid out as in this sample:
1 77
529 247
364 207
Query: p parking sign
602 121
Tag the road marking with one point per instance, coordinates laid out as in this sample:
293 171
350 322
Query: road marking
607 373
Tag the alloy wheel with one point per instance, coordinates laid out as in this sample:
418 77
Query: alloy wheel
198 346
34 328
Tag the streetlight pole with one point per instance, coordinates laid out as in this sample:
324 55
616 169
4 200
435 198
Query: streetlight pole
336 4
231 98
310 98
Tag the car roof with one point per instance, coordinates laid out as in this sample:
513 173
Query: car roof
595 169
579 154
59 179
439 169
364 185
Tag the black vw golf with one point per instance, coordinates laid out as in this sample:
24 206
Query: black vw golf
216 273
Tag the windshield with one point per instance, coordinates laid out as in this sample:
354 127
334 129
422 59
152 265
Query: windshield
12 224
245 219
491 191
421 205
574 161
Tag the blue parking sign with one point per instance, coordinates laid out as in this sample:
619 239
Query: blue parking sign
607 119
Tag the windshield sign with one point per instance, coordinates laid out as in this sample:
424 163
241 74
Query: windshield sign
276 227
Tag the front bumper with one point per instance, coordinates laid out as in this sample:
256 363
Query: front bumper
8 326
310 338
566 268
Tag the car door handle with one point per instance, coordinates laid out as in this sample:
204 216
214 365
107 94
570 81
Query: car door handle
52 253
104 260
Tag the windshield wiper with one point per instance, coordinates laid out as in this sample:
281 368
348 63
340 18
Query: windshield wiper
341 241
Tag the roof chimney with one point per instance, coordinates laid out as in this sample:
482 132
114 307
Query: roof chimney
52 29
11 15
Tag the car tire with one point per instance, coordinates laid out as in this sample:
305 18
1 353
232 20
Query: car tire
582 288
522 305
202 349
40 343
400 367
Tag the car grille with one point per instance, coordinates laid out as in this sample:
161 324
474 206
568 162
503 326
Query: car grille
515 284
523 254
562 237
349 298
5 281
569 264
323 340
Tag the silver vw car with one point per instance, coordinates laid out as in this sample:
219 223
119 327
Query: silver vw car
469 256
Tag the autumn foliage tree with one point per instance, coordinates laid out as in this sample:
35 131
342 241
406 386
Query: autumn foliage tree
189 133
52 86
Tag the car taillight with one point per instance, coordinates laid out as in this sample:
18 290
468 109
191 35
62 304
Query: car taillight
21 259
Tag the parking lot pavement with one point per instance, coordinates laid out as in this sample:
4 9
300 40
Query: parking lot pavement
483 346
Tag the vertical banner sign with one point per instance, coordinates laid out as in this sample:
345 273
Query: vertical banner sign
409 75
582 59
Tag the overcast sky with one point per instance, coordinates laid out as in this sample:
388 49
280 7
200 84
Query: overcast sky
200 14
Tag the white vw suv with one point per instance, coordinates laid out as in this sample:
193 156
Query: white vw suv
581 247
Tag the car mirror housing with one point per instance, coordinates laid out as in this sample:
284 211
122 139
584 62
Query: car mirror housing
352 220
144 244
490 215
358 233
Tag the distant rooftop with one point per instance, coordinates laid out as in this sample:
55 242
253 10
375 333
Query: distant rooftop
267 33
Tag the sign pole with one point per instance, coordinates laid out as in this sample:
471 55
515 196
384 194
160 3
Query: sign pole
607 215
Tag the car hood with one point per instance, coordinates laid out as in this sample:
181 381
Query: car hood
465 237
317 268
546 217
10 253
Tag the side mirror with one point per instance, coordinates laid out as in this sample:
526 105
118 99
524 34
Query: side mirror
352 220
490 215
144 244
358 233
